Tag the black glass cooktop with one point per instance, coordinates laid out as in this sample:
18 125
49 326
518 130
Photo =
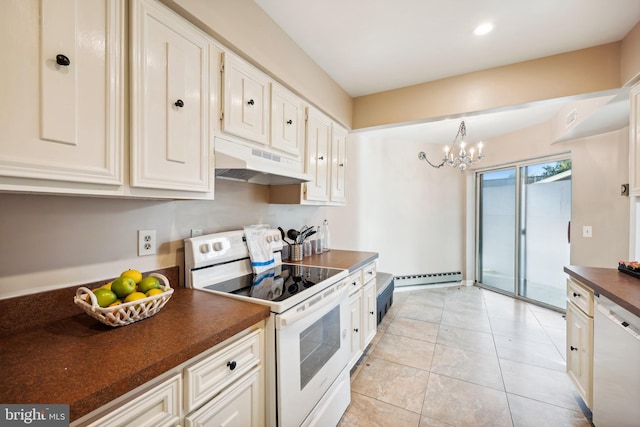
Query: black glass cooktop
276 284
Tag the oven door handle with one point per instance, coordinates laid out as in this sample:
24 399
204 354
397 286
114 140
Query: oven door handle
313 304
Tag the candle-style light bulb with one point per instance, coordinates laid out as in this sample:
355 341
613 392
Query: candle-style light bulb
471 151
480 148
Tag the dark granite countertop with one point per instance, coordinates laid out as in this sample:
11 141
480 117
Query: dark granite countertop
69 357
620 288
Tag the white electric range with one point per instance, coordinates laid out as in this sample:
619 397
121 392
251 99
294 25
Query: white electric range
306 337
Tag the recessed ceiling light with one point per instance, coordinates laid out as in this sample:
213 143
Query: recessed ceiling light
483 29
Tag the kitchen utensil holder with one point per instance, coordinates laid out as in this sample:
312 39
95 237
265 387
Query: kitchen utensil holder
306 248
296 253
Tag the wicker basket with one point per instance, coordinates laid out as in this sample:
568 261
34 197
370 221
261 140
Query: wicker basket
126 313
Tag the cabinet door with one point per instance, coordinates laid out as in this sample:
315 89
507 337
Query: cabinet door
170 100
338 164
62 89
287 121
246 100
239 405
580 351
355 303
369 324
317 156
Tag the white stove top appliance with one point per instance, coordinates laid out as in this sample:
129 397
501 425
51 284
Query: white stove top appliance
306 337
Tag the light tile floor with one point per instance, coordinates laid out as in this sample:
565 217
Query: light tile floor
464 356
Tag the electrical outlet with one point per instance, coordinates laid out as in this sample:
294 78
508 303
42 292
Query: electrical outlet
587 231
146 242
195 232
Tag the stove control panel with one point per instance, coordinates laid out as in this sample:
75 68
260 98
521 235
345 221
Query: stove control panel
211 249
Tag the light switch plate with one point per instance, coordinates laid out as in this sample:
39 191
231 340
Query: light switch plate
587 231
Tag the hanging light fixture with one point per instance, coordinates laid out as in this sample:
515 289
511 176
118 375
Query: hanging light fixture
463 158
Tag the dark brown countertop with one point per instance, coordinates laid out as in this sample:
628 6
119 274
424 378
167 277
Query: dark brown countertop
620 288
337 258
77 360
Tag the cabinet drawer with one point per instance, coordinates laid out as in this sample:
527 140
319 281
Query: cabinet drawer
239 405
155 407
580 295
369 272
355 281
207 377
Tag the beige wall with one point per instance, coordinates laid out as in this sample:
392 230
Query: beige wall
630 56
248 30
600 164
583 71
55 241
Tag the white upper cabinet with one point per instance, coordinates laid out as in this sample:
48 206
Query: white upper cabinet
62 90
317 156
338 164
246 100
287 121
170 97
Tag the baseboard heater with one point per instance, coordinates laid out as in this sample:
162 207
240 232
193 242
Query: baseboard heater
427 279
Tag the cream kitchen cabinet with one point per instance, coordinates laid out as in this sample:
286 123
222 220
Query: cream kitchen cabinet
337 193
157 405
363 309
318 155
63 96
222 385
246 100
325 162
287 121
355 316
170 101
580 300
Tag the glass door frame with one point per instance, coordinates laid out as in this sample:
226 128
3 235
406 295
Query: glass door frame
517 256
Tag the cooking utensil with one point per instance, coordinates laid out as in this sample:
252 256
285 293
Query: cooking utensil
309 233
292 234
301 233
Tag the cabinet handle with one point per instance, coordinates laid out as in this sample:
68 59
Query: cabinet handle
232 365
371 312
289 122
321 158
573 348
576 295
250 102
179 103
341 165
63 60
355 330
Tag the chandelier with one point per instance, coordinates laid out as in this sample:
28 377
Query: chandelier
463 158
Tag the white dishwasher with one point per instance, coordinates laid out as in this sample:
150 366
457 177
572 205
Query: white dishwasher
616 365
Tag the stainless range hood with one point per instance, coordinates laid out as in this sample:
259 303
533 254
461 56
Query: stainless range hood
238 162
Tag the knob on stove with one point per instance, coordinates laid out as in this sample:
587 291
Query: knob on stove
204 248
217 246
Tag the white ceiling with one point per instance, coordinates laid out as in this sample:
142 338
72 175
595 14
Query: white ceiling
368 46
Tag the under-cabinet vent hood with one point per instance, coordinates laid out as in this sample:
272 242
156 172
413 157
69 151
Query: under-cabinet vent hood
238 162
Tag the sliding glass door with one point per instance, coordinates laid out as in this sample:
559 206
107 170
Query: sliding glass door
497 206
523 220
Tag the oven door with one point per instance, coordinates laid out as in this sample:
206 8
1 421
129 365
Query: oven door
312 346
